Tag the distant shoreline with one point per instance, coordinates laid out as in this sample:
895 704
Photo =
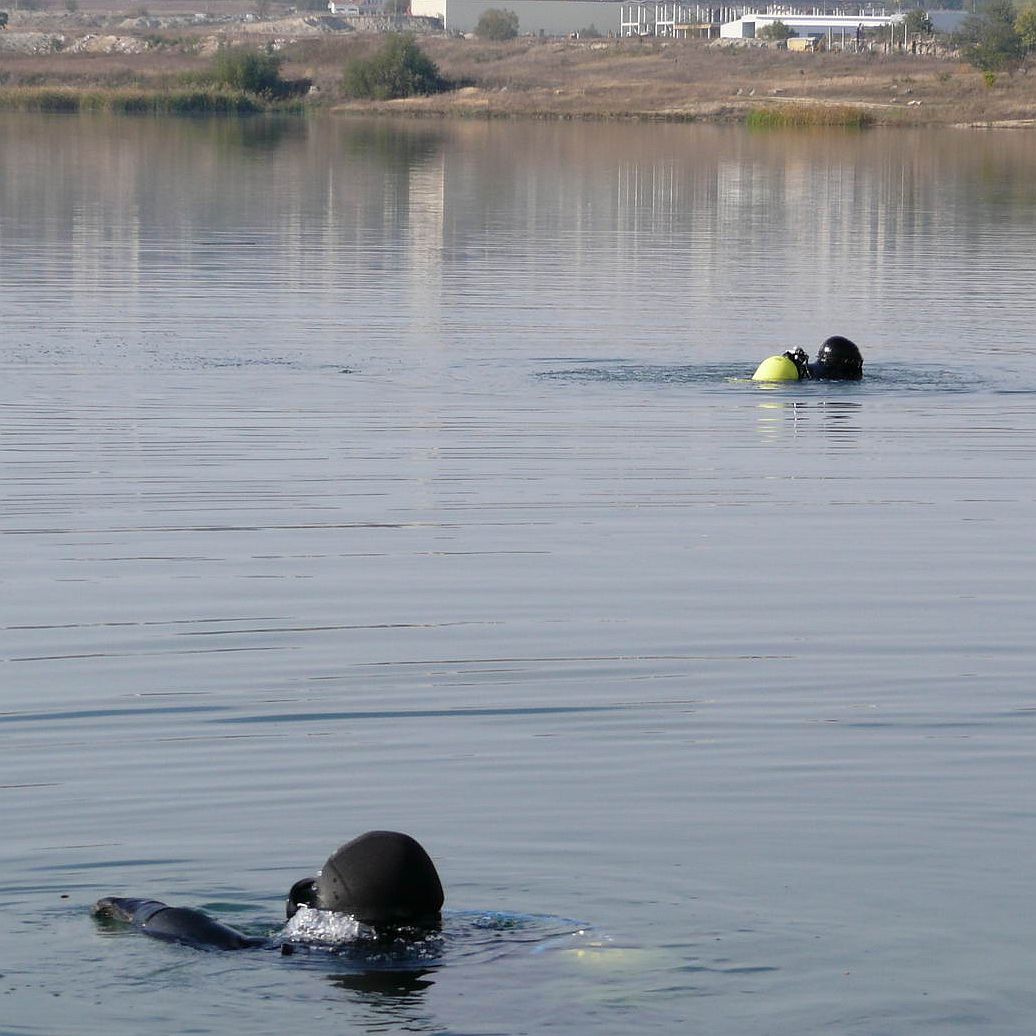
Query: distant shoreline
527 78
787 113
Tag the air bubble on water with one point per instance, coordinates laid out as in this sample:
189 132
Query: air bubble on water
324 927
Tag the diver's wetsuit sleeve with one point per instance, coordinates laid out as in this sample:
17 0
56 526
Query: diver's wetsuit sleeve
176 924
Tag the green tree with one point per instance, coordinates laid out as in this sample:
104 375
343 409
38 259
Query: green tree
917 22
497 24
776 31
398 69
397 6
1025 26
988 38
255 72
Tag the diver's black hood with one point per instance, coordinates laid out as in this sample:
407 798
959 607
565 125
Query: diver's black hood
839 359
382 877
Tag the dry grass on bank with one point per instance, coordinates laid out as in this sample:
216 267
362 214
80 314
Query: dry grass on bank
590 79
689 80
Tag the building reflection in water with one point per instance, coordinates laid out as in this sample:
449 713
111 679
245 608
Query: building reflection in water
675 233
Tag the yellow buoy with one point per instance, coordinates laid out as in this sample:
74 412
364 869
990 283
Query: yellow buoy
776 368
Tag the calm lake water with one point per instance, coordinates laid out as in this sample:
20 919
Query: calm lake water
365 474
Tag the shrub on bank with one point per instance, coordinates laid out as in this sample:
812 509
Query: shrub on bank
1025 26
776 31
254 72
242 68
496 24
398 69
917 23
989 39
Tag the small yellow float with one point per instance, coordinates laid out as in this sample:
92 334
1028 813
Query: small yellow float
776 368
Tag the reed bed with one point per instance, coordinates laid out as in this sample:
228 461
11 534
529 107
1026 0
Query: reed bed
130 102
808 115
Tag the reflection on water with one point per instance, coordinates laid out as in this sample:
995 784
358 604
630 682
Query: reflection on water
391 1001
388 983
701 239
362 475
837 419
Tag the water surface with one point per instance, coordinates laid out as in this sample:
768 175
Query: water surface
364 474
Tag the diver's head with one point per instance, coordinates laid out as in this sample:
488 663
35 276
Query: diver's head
838 360
382 877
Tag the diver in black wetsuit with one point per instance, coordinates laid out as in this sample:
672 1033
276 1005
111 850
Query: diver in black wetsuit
383 878
838 359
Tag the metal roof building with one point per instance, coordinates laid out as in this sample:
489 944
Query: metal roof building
740 20
748 25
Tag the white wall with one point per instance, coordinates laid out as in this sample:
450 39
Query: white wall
428 8
552 17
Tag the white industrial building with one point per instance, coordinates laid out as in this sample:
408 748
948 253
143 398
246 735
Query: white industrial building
733 20
839 26
661 18
546 17
728 19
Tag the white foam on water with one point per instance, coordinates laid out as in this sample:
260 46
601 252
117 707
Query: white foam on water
324 928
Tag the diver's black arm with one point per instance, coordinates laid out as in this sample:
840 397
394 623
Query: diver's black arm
175 924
